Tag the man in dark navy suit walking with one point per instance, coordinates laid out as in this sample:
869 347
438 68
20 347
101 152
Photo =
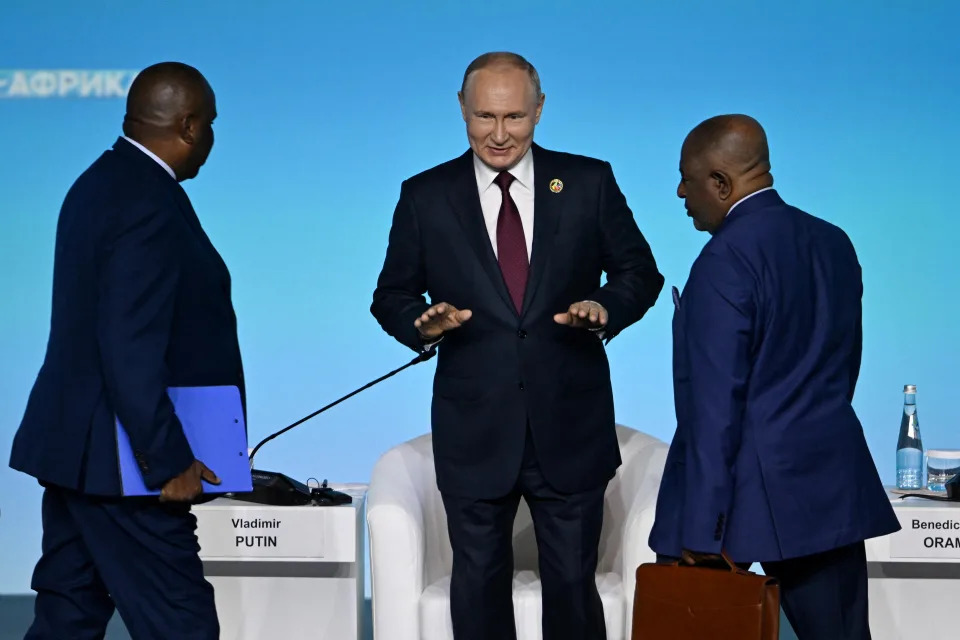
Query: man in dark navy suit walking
141 302
769 461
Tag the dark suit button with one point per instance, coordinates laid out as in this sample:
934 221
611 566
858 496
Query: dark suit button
521 386
521 334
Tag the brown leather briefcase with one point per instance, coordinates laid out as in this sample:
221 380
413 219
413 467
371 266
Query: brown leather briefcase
680 602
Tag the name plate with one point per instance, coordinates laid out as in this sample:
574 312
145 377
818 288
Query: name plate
260 533
927 535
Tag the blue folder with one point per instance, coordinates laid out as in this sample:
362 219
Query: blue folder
212 419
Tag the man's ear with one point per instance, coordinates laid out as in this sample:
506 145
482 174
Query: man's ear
721 182
463 105
189 128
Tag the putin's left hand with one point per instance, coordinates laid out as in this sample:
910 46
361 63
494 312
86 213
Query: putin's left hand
583 315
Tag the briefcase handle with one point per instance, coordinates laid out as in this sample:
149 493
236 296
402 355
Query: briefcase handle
690 560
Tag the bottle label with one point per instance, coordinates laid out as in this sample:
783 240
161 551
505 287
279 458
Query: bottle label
910 459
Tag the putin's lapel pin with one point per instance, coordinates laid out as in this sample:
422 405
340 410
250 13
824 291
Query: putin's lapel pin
556 185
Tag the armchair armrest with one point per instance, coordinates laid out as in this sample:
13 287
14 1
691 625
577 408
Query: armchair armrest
396 528
644 485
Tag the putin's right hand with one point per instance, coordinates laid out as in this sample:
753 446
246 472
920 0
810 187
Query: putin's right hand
439 319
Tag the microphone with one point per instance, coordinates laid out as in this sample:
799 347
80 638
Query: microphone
273 488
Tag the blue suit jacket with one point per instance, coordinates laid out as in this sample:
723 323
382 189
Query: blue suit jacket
141 302
769 460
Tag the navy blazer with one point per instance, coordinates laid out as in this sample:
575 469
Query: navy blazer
769 460
141 302
502 369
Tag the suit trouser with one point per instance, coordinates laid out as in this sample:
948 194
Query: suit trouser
567 528
136 555
824 595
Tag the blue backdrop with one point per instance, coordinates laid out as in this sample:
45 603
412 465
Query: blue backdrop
326 108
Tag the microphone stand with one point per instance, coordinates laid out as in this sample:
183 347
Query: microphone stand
951 487
273 488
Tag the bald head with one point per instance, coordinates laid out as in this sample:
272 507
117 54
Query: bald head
723 159
170 110
501 60
736 142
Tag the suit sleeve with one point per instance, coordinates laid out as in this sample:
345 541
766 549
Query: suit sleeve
857 355
717 324
138 284
633 281
398 299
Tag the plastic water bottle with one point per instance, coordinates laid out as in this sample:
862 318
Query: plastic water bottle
909 445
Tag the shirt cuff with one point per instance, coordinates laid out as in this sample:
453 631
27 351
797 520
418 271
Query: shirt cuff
427 346
600 332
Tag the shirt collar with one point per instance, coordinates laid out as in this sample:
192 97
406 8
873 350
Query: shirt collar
522 172
155 157
746 197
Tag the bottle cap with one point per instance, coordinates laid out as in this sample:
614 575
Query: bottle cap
909 388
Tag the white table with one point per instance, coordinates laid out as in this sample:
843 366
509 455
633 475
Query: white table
285 572
915 573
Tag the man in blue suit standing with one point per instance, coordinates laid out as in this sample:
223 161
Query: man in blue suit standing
141 302
769 461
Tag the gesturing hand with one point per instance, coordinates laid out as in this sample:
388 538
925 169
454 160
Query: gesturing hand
583 315
440 318
186 486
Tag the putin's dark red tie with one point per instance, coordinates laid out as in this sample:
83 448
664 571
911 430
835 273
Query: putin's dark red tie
511 244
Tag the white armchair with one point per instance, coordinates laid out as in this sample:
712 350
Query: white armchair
410 556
